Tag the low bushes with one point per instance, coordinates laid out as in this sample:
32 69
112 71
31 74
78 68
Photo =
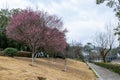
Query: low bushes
14 52
112 67
10 52
23 54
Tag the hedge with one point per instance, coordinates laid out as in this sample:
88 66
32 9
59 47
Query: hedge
24 54
10 52
112 67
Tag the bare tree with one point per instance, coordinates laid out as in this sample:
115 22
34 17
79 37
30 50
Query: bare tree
105 40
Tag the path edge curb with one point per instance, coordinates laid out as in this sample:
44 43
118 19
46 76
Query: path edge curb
99 77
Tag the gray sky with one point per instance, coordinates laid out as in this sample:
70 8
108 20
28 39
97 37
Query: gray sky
82 18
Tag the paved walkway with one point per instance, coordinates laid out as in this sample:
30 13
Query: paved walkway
104 74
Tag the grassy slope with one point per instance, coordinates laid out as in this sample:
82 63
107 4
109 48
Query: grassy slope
19 69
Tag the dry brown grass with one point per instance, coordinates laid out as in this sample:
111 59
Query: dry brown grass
20 69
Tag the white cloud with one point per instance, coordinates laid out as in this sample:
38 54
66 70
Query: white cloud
16 4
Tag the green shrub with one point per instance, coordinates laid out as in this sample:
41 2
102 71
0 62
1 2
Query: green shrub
112 67
10 52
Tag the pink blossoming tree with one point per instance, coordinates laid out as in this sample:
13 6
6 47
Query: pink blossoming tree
37 29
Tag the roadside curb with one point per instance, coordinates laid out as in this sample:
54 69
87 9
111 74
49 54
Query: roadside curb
99 77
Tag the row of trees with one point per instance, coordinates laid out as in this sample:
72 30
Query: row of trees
74 50
39 31
35 31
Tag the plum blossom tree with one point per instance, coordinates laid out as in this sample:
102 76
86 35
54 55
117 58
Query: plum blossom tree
55 40
38 30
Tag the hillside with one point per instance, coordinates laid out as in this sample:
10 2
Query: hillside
20 69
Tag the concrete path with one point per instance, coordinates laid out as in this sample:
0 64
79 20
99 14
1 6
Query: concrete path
104 74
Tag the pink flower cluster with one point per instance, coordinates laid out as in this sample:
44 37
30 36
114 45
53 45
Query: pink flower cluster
37 29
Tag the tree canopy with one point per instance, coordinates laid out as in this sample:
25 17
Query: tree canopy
38 30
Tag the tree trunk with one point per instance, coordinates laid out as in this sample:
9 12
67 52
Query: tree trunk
104 59
65 65
52 57
32 58
48 56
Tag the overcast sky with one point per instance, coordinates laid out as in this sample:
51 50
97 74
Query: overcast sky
82 18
